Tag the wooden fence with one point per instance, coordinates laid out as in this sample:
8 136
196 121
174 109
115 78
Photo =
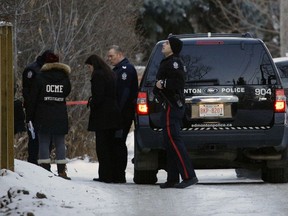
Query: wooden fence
6 97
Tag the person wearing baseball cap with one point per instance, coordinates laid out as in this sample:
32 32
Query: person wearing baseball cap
169 91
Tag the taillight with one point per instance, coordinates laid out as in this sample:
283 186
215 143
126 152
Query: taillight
280 102
142 106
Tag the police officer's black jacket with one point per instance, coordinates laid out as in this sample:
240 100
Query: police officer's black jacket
28 76
127 88
171 71
104 110
47 103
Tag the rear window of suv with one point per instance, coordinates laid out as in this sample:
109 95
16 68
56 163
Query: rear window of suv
209 63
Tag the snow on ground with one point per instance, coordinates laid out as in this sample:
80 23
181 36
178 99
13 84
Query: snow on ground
31 190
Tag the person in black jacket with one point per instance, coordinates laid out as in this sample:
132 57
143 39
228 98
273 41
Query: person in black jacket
169 89
19 117
47 111
28 77
127 89
104 117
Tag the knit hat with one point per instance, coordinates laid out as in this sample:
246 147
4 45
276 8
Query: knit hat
51 58
41 58
175 44
46 52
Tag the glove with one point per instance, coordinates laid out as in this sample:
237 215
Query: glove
89 102
31 129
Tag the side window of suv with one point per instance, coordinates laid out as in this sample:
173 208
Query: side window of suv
283 71
153 66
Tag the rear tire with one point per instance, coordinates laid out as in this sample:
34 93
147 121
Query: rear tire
277 175
145 176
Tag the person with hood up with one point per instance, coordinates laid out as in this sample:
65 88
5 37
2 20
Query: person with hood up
47 111
169 89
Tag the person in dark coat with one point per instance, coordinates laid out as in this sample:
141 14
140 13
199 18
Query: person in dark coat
127 90
47 111
169 89
28 77
104 118
19 117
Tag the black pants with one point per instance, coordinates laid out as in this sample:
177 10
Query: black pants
105 140
178 161
121 151
33 148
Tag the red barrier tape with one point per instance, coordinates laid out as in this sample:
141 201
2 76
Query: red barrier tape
70 103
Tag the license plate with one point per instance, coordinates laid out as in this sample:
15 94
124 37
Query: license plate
211 110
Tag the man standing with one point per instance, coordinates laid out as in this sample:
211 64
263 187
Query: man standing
169 89
127 88
28 76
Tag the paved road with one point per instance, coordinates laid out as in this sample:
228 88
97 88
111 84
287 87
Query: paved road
219 193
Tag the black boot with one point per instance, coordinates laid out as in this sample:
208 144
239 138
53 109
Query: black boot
46 166
62 171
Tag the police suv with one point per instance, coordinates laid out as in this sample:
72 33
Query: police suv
236 113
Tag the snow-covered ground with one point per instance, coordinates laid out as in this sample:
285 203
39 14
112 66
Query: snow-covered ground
33 190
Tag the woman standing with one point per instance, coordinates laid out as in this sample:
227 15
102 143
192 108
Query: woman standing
47 111
104 116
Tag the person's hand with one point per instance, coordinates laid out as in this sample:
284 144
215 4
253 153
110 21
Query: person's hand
89 102
159 84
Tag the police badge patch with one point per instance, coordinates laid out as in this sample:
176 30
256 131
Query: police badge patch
175 65
124 76
29 74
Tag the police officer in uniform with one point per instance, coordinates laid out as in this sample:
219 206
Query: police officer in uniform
169 90
127 89
28 76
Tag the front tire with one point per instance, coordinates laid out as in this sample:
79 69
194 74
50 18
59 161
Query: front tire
145 176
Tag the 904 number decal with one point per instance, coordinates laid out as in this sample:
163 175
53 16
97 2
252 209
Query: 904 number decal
263 91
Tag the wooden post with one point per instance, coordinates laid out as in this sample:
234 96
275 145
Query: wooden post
6 97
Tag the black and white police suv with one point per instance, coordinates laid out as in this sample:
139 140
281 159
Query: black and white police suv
235 109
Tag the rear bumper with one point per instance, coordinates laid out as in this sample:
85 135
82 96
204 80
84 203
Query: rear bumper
148 139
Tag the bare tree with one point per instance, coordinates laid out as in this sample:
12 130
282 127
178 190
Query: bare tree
260 17
75 29
284 27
